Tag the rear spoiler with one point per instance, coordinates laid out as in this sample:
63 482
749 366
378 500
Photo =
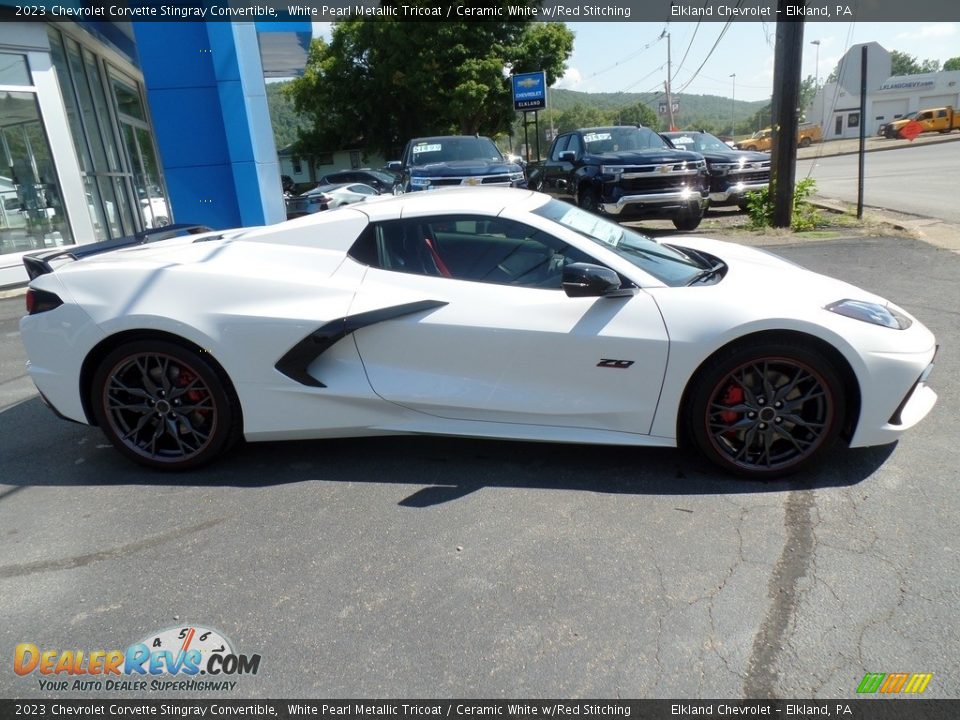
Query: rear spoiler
38 264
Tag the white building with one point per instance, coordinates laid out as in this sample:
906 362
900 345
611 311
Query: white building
836 108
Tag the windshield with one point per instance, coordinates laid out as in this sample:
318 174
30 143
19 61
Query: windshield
451 149
667 265
616 139
699 142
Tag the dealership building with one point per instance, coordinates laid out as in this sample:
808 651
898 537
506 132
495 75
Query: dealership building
836 107
111 128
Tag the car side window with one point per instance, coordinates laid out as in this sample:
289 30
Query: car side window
559 146
469 247
576 145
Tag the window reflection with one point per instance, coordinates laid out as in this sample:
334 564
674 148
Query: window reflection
32 215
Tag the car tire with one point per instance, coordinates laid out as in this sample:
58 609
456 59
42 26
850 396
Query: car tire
750 147
165 406
589 200
805 142
688 220
735 425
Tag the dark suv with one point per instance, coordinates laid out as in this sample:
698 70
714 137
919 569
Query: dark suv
733 173
449 160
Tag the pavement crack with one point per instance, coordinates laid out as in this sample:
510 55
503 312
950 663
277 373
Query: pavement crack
40 566
783 591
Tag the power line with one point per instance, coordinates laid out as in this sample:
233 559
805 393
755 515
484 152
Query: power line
628 57
719 38
687 52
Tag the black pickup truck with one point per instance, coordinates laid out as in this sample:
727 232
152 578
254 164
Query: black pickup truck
625 170
733 173
449 160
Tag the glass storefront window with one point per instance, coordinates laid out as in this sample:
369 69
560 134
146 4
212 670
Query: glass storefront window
128 99
13 70
32 215
122 179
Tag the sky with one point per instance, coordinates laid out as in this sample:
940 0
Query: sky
639 63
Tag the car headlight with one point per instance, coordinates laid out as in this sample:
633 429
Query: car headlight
870 312
420 182
516 177
615 170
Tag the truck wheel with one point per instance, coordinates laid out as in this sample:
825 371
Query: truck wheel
688 221
804 142
750 147
589 200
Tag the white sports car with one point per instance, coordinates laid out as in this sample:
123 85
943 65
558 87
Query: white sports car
482 312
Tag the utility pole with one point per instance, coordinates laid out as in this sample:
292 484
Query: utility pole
669 96
787 58
816 82
733 107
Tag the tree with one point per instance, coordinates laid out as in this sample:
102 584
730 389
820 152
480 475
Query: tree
379 82
637 114
580 116
902 63
952 64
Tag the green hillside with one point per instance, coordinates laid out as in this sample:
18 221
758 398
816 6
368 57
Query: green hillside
711 111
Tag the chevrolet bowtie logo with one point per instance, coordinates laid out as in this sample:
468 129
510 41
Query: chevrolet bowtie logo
528 82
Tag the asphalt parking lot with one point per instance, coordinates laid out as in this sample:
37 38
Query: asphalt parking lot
422 567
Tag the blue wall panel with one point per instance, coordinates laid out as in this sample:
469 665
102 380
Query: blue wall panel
208 104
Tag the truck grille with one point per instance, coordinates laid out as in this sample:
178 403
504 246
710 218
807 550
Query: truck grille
503 179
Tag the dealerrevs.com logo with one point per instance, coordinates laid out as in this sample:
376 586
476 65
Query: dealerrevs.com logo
184 658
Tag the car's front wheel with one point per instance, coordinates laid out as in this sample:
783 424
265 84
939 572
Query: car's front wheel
164 405
766 409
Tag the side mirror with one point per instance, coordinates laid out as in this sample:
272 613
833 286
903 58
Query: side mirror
588 280
568 156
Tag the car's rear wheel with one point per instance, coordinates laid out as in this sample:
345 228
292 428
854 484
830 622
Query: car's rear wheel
805 142
766 409
164 405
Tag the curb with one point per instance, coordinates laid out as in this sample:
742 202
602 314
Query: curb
899 145
14 291
929 230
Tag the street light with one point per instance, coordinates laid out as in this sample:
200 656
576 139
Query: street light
733 108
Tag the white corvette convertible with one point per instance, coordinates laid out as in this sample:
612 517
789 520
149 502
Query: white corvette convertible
478 312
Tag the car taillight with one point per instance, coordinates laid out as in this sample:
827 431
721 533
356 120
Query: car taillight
39 301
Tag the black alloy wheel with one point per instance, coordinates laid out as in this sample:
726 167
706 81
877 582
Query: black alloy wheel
766 410
164 406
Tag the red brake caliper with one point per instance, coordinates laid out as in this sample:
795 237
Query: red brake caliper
732 395
186 377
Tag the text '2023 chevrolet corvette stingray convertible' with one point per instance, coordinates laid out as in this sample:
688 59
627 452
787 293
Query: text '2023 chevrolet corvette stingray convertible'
485 312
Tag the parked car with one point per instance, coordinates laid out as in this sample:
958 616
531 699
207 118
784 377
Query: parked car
625 170
433 162
494 313
380 180
327 197
733 173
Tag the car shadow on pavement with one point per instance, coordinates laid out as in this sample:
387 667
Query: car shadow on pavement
41 450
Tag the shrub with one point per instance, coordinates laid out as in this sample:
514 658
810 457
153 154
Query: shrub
805 216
